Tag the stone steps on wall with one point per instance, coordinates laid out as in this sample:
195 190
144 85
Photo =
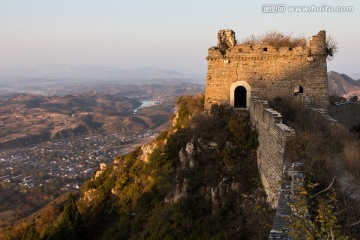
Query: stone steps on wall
292 177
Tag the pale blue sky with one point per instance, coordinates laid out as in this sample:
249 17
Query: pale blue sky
156 33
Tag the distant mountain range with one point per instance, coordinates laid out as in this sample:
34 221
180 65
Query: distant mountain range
88 73
24 80
356 76
343 85
60 80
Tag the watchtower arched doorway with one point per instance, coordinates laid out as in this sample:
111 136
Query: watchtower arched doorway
240 95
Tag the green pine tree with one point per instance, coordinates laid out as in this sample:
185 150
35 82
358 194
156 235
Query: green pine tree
30 233
70 225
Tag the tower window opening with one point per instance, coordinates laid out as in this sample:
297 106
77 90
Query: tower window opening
298 89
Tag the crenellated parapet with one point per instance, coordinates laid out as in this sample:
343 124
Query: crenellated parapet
273 138
228 48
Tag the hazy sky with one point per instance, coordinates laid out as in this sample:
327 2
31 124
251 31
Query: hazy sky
156 33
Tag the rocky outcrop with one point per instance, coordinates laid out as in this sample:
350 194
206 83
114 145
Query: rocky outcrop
187 162
103 167
186 156
88 197
147 150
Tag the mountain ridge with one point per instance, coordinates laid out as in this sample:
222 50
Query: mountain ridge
342 85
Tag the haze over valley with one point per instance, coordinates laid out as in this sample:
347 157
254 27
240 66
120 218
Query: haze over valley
51 144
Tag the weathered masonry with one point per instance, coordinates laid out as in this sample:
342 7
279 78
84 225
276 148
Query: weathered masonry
273 136
237 72
292 178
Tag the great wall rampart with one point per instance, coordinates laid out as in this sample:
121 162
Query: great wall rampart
244 77
273 136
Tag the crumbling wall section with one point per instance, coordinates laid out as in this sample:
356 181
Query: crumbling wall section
292 178
271 72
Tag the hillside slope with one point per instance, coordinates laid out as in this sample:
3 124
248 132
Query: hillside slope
198 180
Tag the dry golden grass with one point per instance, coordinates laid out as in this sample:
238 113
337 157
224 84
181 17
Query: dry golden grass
352 157
276 39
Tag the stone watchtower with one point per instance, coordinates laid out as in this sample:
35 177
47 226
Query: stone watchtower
236 72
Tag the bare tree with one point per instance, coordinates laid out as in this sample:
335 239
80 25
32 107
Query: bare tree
331 47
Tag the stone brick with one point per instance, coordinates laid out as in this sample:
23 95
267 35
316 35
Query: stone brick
268 71
273 135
